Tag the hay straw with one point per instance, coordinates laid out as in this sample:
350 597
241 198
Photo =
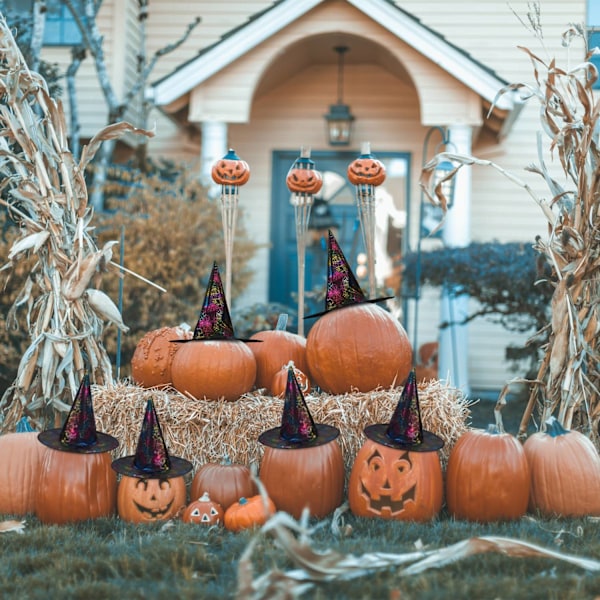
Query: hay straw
206 431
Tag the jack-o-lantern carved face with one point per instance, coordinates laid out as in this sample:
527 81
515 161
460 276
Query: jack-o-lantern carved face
366 170
146 500
230 171
203 511
392 483
306 181
389 485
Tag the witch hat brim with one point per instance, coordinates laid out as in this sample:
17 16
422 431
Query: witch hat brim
126 466
273 439
365 301
379 433
103 443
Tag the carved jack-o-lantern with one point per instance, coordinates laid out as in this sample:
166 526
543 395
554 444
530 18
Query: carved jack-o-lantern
392 483
142 500
303 178
204 511
230 170
366 169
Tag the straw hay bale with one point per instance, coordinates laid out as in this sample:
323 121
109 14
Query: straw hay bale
205 431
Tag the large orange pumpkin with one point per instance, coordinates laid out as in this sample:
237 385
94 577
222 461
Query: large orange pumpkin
360 346
298 478
225 482
214 369
390 483
74 486
487 478
20 457
565 472
277 347
141 500
153 356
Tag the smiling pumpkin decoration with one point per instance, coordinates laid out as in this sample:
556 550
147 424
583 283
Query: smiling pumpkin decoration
152 486
397 472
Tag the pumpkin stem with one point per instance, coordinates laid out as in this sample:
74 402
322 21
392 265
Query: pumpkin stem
242 501
226 460
282 321
554 427
493 429
204 498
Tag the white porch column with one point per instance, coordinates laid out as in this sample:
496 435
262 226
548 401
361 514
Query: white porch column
454 343
214 147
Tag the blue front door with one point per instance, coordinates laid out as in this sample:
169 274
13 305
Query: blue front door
334 208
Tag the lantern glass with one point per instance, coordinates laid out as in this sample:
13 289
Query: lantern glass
339 122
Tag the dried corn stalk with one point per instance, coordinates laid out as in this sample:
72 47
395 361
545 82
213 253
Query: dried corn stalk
44 190
568 380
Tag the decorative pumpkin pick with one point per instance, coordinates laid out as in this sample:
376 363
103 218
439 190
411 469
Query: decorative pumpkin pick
76 482
303 181
204 511
366 172
565 472
397 472
230 173
152 487
354 344
214 363
302 466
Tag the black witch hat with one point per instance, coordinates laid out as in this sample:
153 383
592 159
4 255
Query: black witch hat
298 430
151 460
405 430
79 433
342 287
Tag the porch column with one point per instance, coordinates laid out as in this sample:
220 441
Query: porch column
214 146
454 343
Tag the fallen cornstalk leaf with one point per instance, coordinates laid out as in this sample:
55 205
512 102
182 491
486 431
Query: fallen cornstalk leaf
327 566
16 526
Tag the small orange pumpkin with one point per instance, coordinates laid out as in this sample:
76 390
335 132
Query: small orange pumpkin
230 170
279 383
277 348
248 513
226 482
204 511
141 500
303 178
153 356
391 483
366 169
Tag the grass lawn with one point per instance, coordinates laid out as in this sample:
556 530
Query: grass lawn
108 558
